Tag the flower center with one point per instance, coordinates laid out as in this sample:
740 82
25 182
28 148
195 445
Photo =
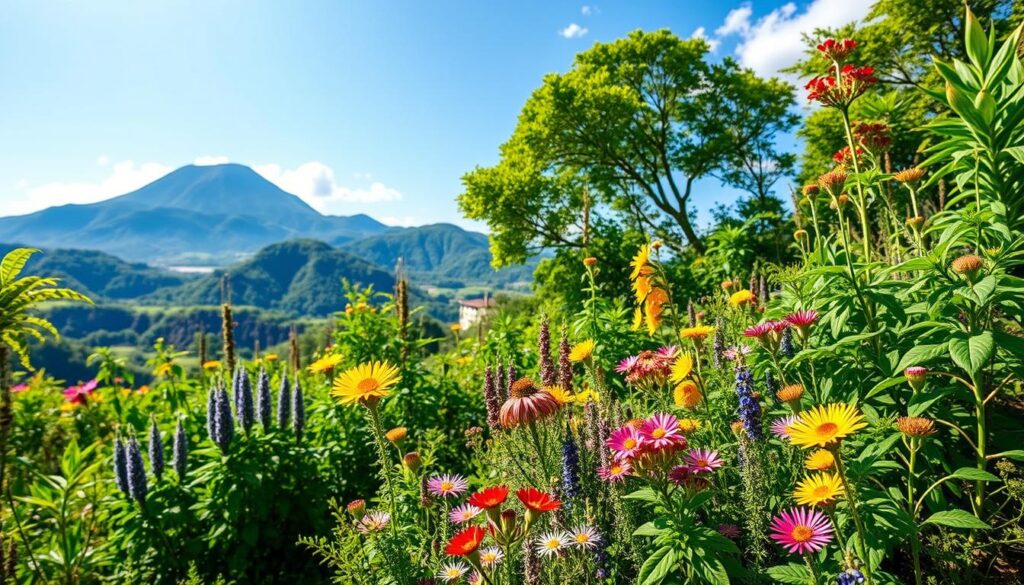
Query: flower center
553 544
702 463
629 443
616 469
658 433
368 385
582 538
827 430
801 533
446 486
822 492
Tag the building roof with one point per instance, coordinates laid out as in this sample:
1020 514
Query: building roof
477 303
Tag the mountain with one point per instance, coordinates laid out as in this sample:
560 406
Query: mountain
439 251
216 213
99 275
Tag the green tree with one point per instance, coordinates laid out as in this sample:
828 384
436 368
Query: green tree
628 131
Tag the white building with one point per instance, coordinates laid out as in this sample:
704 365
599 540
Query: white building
473 310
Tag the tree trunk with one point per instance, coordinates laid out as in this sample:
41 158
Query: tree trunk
691 235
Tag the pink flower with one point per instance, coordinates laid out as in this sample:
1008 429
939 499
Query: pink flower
668 352
661 431
685 476
915 372
447 486
625 442
80 394
463 513
801 530
627 364
19 388
734 353
729 531
760 330
801 319
703 460
780 426
616 471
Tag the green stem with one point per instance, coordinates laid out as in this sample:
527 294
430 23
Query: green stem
981 443
812 569
851 500
915 543
540 452
862 200
385 465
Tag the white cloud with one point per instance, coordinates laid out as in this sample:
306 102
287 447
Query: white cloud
315 183
775 41
103 160
700 33
587 10
208 160
125 176
573 31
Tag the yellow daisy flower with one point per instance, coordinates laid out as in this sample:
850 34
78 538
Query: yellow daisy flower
697 332
582 350
562 395
686 394
741 297
638 319
640 262
826 425
820 460
818 490
588 395
325 364
365 383
681 368
688 425
211 365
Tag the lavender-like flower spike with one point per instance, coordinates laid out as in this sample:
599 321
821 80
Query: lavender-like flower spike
180 451
284 401
786 347
564 365
499 383
120 465
510 377
263 400
771 384
243 404
491 399
718 346
298 410
750 408
211 412
236 387
137 487
224 424
548 377
570 469
156 450
531 564
762 289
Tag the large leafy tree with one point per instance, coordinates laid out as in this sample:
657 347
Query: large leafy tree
628 132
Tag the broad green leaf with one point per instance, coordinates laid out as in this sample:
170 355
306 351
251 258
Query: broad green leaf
956 519
973 352
973 474
791 574
648 529
657 566
1016 454
920 355
644 495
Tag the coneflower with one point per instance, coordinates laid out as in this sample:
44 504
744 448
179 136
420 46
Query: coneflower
284 401
298 410
786 347
718 346
263 400
243 401
750 408
548 376
491 399
564 365
137 487
570 469
223 423
156 450
120 465
179 451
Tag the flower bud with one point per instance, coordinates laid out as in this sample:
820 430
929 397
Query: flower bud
396 435
810 191
357 508
411 461
909 176
915 223
968 265
800 235
916 376
590 261
916 426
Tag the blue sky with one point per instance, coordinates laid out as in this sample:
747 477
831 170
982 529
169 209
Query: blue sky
372 107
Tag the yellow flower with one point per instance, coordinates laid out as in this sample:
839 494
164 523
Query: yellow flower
741 297
211 365
688 425
640 261
654 306
325 364
681 368
697 332
270 357
826 425
642 288
562 395
163 369
365 383
456 327
818 490
686 394
582 350
638 319
463 360
588 395
820 460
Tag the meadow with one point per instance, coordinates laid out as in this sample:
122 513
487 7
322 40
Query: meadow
846 409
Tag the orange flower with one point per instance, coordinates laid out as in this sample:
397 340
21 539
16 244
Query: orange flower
488 498
466 542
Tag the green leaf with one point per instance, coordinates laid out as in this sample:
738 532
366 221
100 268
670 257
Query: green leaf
973 474
956 519
1015 454
644 495
657 566
791 574
977 42
920 355
972 353
649 529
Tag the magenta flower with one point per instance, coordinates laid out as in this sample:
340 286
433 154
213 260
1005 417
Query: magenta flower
780 426
801 319
661 431
627 364
447 486
19 388
759 330
464 513
625 442
729 531
616 471
80 394
668 352
703 460
801 530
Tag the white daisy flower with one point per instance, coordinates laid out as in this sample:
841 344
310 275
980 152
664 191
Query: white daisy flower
553 542
452 571
585 537
491 556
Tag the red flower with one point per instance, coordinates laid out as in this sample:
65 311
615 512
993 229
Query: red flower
491 497
465 542
852 82
842 156
537 501
838 51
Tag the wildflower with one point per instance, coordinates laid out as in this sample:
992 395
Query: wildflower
463 513
548 376
527 404
820 460
727 284
640 262
802 320
455 327
537 503
570 468
179 451
800 235
243 400
968 265
588 395
551 543
560 394
452 571
489 498
590 261
691 313
876 137
791 395
781 426
366 383
826 425
909 176
749 407
837 51
466 542
564 364
223 423
298 410
325 364
616 471
703 460
688 425
156 450
660 431
137 487
742 297
832 182
531 564
685 476
718 346
810 191
818 490
491 556
801 530
786 347
357 508
396 435
121 465
582 350
80 394
686 394
638 319
681 368
844 157
375 521
211 365
211 412
840 93
915 222
916 376
916 426
697 332
850 577
447 486
412 461
263 400
729 531
585 537
840 202
284 402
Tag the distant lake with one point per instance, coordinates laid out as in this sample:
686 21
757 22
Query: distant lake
193 269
